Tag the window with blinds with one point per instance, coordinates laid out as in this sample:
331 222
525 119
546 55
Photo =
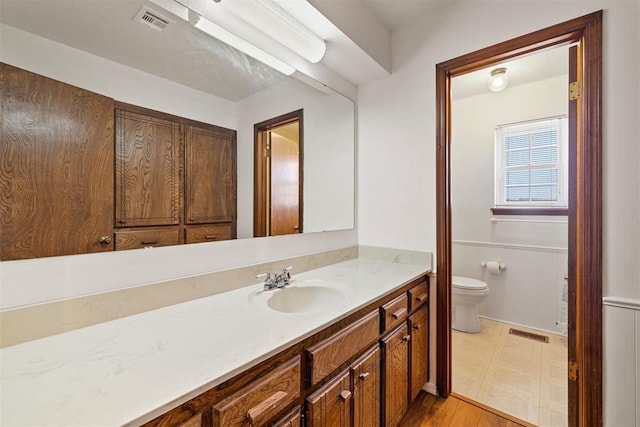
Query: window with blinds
531 163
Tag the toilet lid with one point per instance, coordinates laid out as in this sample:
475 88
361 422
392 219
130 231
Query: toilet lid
468 283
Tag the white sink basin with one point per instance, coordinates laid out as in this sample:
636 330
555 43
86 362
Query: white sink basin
302 296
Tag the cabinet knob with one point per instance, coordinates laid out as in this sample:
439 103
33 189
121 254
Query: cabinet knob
406 338
344 395
416 327
363 376
105 240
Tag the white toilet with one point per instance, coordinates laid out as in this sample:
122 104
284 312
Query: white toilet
467 296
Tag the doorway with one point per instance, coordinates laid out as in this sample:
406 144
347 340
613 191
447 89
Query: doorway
584 366
509 212
278 175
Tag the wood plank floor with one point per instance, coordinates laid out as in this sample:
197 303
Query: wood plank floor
429 410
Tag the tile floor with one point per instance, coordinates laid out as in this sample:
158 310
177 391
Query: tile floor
520 376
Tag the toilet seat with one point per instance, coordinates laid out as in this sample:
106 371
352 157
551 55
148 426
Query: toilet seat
468 283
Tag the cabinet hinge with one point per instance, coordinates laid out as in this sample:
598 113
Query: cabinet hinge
574 90
573 371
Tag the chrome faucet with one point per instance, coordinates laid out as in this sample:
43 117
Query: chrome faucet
276 280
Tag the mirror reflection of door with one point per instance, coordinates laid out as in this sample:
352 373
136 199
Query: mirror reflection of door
278 175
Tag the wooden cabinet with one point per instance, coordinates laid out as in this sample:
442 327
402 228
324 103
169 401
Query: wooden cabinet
147 170
394 312
351 374
395 376
326 356
172 172
210 175
419 350
330 406
56 167
292 419
365 377
260 401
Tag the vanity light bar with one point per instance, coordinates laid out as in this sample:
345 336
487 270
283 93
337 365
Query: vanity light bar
216 31
279 25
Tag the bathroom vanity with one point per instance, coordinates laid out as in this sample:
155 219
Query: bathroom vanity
358 357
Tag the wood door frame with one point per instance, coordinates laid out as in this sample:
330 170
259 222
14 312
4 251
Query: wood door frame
259 171
585 205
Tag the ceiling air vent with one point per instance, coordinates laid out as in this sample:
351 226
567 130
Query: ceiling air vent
152 18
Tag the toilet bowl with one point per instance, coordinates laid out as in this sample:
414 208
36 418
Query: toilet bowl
467 295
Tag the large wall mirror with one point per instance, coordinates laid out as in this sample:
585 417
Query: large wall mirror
205 80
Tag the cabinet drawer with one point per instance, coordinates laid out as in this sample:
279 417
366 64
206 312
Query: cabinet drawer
394 312
324 357
148 238
418 295
259 401
207 233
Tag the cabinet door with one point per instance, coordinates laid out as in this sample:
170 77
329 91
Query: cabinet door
292 419
56 167
365 374
419 350
147 170
330 406
210 175
395 375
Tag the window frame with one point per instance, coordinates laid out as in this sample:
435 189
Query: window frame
501 205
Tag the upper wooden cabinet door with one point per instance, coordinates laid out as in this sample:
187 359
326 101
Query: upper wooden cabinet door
210 175
56 167
147 170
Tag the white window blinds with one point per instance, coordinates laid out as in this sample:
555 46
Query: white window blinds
530 166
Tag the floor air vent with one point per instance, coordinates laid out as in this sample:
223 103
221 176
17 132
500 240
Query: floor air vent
530 335
152 19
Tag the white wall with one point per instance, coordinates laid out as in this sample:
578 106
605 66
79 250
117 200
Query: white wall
38 280
529 291
396 127
328 153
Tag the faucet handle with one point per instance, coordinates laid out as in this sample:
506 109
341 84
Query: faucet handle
287 269
267 276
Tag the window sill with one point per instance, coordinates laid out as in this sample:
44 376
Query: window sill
530 211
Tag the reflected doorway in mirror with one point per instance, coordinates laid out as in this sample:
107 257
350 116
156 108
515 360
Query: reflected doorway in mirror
278 175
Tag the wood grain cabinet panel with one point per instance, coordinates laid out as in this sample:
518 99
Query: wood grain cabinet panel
292 419
395 375
330 406
394 312
327 356
418 295
260 401
210 175
147 170
208 233
147 238
56 167
365 376
419 350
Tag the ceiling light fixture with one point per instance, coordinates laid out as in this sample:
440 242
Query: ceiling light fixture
498 80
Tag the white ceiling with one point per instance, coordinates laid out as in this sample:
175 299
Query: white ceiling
394 14
536 67
179 53
185 55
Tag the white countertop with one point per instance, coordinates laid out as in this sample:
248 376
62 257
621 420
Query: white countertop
129 371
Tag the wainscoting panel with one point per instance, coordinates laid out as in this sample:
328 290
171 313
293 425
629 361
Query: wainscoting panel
621 363
528 292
